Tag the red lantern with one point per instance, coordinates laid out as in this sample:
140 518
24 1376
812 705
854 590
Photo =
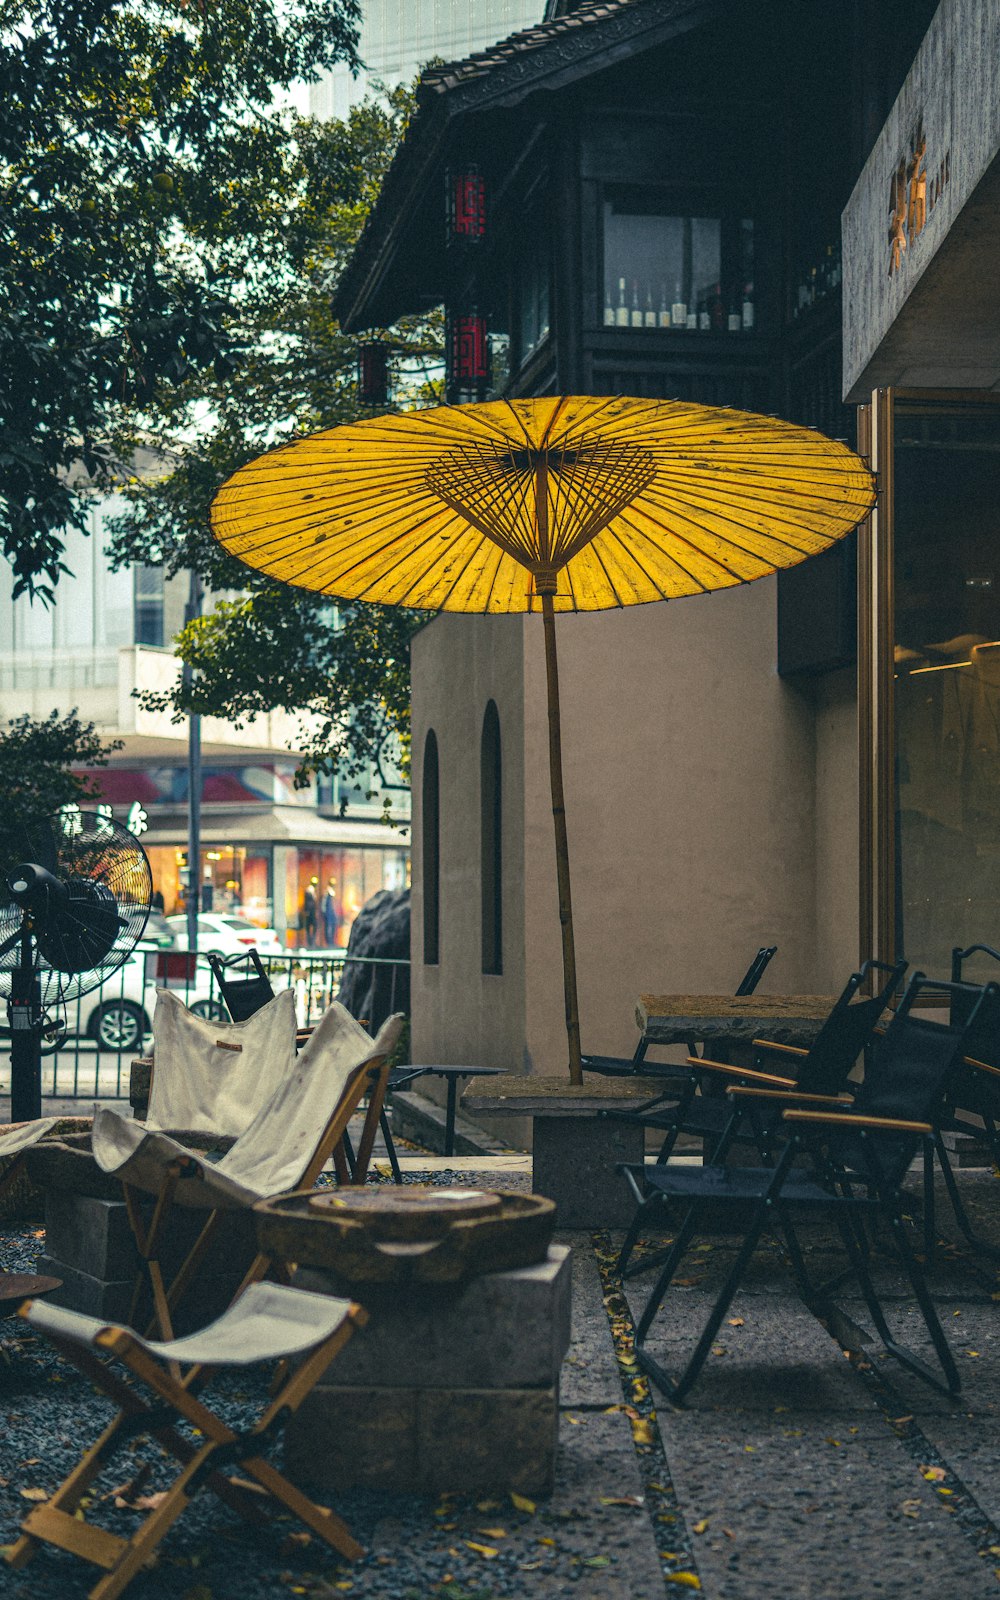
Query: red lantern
466 206
373 373
468 350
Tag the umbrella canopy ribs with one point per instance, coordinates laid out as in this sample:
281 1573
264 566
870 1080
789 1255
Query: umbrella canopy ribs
572 503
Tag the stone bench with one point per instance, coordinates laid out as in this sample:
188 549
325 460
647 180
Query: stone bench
575 1152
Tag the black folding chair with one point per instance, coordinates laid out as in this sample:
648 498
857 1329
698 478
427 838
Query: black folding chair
246 994
860 1155
972 1108
823 1071
628 1066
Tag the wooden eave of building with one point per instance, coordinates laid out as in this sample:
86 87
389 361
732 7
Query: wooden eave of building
397 265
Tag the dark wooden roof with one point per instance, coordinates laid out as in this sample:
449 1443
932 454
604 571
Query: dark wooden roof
556 53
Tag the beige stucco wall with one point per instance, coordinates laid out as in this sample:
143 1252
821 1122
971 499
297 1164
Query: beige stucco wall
461 1014
711 808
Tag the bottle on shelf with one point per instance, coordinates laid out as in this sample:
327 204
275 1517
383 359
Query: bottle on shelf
621 310
747 311
717 309
678 308
734 319
663 315
692 318
609 308
636 314
704 317
649 315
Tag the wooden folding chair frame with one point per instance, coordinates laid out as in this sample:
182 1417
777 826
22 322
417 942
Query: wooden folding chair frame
372 1077
59 1520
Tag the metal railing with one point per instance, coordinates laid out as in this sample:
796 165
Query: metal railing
96 1037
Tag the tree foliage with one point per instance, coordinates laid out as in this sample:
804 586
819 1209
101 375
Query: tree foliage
37 776
276 647
147 186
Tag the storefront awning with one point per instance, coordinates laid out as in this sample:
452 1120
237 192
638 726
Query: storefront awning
277 825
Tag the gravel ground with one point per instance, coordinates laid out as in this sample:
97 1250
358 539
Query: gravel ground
791 1473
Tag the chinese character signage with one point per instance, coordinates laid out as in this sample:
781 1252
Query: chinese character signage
913 195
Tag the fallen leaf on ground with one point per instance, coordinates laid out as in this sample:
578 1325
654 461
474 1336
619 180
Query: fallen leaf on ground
933 1474
642 1431
699 1527
690 1580
688 1283
735 1322
493 1533
521 1502
485 1550
911 1508
597 1561
621 1499
34 1494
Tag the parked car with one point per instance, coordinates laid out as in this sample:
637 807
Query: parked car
119 1015
220 934
158 932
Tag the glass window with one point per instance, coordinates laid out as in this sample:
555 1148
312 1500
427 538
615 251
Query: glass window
431 811
148 605
535 273
946 569
491 873
670 270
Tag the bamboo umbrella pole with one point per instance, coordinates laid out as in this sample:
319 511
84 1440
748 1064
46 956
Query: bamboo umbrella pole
562 843
545 587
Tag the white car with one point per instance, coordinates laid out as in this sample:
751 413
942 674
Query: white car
119 1014
223 934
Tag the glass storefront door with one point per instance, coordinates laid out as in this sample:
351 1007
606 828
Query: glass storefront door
933 708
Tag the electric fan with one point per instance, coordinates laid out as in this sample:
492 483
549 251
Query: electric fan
75 893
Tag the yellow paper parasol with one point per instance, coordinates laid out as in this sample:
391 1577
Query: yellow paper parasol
559 504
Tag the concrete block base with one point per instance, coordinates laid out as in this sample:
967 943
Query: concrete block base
573 1163
89 1244
504 1330
426 1441
81 1291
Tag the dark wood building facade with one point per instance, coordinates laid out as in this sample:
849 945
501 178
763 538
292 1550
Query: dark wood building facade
643 197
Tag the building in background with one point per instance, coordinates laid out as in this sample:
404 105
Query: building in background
399 37
265 845
657 191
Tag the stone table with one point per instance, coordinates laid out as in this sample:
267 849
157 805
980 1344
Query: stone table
736 1019
575 1153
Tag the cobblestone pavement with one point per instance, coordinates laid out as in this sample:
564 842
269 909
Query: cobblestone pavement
790 1472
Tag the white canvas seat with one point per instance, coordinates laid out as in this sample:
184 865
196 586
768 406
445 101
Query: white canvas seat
268 1322
214 1076
284 1148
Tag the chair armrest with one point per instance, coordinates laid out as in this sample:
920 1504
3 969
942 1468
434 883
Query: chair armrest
981 1066
895 1124
791 1094
786 1049
741 1072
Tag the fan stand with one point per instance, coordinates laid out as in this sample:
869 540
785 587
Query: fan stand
25 1017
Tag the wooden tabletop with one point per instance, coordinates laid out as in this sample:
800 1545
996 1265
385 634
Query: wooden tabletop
783 1018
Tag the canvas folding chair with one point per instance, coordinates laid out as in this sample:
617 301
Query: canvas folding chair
860 1155
822 1069
244 995
285 1148
215 1076
627 1066
270 1322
